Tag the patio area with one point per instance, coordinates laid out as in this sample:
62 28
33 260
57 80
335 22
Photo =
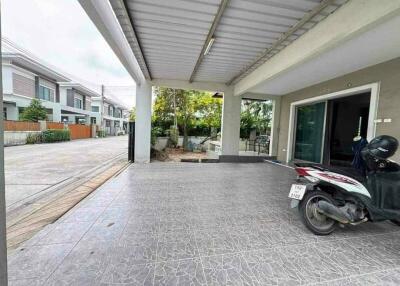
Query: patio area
201 224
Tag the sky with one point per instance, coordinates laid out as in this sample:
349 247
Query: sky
60 33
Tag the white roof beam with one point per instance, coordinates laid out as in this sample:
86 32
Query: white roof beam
101 14
195 85
217 18
282 39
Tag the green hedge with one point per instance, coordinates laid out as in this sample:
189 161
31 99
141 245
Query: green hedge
34 138
55 135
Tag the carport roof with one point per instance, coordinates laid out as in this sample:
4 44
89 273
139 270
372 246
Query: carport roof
169 38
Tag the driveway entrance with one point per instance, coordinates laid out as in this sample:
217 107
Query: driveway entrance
201 224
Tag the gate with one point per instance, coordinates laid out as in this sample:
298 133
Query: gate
79 131
131 142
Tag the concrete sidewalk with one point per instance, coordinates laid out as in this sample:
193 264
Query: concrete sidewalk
31 169
201 224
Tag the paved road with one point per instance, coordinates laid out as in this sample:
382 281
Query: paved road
30 169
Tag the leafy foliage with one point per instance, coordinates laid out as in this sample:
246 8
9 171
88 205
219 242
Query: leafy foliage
34 112
255 115
34 138
56 135
194 112
197 113
132 114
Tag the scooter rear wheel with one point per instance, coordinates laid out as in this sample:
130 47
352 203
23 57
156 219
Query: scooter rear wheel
395 221
316 222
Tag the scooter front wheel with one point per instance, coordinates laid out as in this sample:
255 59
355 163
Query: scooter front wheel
316 222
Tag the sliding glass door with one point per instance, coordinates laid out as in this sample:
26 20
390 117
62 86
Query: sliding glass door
310 122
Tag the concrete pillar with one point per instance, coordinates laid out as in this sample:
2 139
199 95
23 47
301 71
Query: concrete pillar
56 113
43 125
3 240
143 123
276 116
230 123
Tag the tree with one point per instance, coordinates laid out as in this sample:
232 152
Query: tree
194 111
132 114
34 112
255 115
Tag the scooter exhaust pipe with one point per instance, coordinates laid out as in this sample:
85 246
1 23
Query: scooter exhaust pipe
333 212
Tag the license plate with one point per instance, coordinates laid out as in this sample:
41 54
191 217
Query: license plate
297 191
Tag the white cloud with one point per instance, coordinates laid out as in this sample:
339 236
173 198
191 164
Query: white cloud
60 33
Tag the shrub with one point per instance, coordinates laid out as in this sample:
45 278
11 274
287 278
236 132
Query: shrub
34 112
56 135
34 138
101 133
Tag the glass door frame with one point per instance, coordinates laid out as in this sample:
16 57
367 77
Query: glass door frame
373 88
323 129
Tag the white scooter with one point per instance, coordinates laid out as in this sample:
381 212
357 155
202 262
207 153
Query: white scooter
326 196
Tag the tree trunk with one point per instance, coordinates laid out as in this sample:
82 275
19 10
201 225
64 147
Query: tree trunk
185 137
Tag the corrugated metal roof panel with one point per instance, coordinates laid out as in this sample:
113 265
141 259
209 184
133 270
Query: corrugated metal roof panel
172 33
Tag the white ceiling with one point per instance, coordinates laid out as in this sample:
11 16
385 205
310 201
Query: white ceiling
374 46
172 33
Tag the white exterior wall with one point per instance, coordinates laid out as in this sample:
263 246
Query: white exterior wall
7 79
12 111
63 95
98 115
20 100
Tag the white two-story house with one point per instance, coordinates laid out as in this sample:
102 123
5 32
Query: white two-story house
76 104
110 115
25 79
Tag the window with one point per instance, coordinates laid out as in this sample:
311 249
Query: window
64 119
116 123
92 120
108 123
46 93
78 103
4 113
95 109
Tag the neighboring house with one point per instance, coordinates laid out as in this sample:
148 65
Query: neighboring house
109 115
24 79
76 104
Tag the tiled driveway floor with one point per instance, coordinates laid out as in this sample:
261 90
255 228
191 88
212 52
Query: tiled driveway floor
201 224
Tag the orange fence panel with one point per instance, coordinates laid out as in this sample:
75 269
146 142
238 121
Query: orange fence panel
10 125
80 131
55 125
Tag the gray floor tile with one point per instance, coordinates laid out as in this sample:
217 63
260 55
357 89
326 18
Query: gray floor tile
229 269
26 282
36 262
176 245
78 278
105 230
65 232
211 242
155 224
125 273
181 272
272 268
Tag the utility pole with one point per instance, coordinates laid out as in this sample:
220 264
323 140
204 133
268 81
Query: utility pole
175 118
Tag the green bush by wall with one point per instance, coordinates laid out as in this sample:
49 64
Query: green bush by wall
56 135
34 138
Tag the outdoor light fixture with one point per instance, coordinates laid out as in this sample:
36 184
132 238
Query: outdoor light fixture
210 43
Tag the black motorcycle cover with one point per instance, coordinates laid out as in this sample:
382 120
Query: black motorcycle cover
384 188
